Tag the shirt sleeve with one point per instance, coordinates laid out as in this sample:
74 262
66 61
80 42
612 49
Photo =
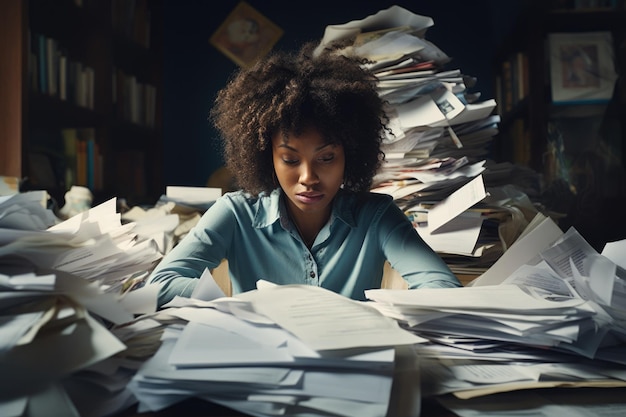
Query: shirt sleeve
410 256
204 247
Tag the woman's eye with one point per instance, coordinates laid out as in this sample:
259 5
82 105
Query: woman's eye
290 161
327 158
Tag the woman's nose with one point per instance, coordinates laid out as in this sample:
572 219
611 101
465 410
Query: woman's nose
308 174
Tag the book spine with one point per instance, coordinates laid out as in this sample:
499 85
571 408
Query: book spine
42 61
63 76
507 86
51 66
91 160
81 162
70 148
98 169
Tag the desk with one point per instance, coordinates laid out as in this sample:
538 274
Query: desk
610 401
404 400
199 408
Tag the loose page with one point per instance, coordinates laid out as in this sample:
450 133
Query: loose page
207 289
520 253
459 237
394 16
325 320
509 298
455 204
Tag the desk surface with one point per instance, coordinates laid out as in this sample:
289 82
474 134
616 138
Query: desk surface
199 408
585 397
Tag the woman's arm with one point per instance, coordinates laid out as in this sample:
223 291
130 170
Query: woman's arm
410 256
204 247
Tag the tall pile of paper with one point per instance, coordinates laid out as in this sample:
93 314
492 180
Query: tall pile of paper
439 133
93 245
558 319
288 350
61 295
430 109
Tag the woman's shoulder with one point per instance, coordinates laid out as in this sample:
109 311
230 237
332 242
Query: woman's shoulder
243 197
241 200
364 206
239 196
368 199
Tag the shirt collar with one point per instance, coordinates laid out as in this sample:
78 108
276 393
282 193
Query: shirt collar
271 208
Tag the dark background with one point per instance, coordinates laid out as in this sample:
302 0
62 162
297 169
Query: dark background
467 31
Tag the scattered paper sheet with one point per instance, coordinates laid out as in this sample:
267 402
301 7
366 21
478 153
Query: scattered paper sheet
493 298
394 16
192 195
325 320
207 289
521 252
459 237
459 201
615 252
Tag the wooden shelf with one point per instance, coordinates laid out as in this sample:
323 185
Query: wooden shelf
566 142
87 34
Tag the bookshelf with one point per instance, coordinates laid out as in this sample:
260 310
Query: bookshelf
86 77
577 145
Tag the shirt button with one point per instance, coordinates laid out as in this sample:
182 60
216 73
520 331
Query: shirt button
312 274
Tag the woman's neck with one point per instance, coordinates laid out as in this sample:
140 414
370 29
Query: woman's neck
308 224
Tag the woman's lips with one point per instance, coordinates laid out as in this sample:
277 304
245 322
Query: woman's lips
309 198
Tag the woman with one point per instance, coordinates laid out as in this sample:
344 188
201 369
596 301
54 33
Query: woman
302 136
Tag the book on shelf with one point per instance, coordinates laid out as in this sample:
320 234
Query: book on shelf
41 63
512 82
132 19
70 150
523 85
507 85
54 72
51 65
521 142
83 159
135 101
63 76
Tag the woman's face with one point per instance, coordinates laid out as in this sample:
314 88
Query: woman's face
309 169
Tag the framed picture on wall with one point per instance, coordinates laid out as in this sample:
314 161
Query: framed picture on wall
582 67
246 35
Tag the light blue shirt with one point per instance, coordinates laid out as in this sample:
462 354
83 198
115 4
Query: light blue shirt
257 237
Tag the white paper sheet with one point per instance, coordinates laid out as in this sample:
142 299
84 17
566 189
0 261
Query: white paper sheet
462 199
325 320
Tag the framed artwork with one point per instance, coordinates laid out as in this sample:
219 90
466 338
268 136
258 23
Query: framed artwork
582 68
246 35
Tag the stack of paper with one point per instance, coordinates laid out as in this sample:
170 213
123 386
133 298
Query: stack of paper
553 314
24 214
506 313
432 114
438 138
173 215
102 388
48 333
60 296
200 198
93 245
289 350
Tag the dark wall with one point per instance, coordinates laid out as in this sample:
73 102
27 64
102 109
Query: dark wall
467 31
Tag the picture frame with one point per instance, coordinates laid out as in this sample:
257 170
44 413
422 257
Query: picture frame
246 35
582 67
